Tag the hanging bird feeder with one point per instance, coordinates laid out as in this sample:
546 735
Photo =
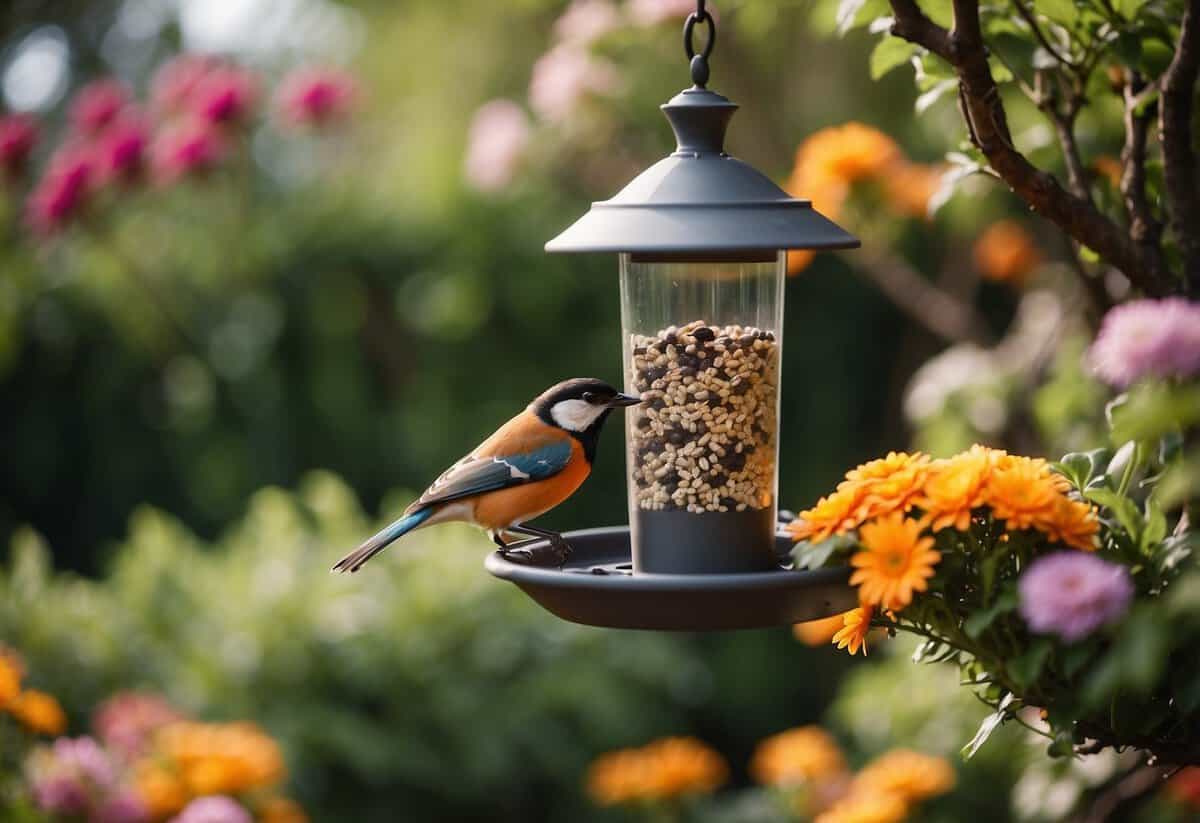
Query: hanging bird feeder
702 240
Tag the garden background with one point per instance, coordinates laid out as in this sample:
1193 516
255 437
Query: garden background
219 377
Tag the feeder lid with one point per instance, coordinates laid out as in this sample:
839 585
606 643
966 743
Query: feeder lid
699 200
596 587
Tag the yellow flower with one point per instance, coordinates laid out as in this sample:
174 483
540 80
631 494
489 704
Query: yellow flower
1070 522
817 632
38 712
222 758
1006 253
1023 491
862 807
281 810
160 790
910 186
10 680
911 776
895 562
664 769
797 756
856 625
954 487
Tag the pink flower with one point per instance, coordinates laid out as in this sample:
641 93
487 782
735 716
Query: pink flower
1071 594
175 82
213 809
97 105
316 97
121 150
1148 338
62 192
66 776
224 95
18 134
586 21
189 148
127 720
653 12
561 78
126 807
497 137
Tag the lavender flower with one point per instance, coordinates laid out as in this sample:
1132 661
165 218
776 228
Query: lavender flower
1148 338
1071 594
213 809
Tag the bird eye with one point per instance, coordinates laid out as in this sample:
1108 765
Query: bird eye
588 397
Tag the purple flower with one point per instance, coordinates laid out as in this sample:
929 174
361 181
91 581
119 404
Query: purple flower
498 136
213 809
1071 594
1148 338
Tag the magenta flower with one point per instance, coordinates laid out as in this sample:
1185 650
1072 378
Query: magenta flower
127 721
224 95
563 76
1071 594
97 105
175 82
18 135
190 148
316 96
63 191
1148 338
213 809
120 152
67 775
497 138
586 21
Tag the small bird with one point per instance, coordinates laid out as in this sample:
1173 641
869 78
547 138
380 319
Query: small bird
528 466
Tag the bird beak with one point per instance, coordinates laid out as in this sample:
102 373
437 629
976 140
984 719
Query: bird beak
624 400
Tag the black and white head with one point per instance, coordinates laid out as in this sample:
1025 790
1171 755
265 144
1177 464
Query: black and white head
580 406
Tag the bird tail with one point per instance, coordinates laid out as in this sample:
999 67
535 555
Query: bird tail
354 561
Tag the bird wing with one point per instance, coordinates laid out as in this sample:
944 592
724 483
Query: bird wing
476 474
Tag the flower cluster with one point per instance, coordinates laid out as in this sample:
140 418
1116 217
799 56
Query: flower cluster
830 162
196 118
661 771
1148 339
807 763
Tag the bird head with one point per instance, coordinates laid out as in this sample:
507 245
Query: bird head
579 405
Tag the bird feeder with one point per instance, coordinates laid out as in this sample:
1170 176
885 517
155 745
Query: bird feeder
702 242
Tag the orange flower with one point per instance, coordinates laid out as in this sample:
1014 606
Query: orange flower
1006 253
38 712
909 187
1070 522
911 776
863 807
1109 168
856 626
160 790
954 487
833 514
1184 787
887 484
10 680
222 758
797 756
667 768
895 562
817 632
1023 491
281 810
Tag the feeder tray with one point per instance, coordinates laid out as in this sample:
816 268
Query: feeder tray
597 587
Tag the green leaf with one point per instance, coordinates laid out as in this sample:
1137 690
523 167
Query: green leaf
989 725
808 555
1122 508
1063 745
889 53
979 621
1128 8
1027 667
1156 526
1063 11
852 14
1081 467
1087 255
1076 656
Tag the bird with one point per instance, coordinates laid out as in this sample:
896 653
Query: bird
528 466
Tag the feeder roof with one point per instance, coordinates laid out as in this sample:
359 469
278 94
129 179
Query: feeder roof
699 200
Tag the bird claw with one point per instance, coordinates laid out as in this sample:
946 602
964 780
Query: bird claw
552 553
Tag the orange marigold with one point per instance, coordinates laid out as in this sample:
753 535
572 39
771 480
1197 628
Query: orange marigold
1005 252
954 487
281 810
864 807
833 514
667 768
895 562
1110 168
909 187
38 712
797 756
856 625
10 680
160 790
222 758
888 484
817 632
1070 522
910 775
1023 491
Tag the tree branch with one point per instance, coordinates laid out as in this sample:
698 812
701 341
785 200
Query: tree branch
1144 228
964 49
1175 133
1028 17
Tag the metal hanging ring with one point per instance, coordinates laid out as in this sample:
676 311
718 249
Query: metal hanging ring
701 16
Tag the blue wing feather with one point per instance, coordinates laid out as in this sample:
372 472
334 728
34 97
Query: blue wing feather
476 475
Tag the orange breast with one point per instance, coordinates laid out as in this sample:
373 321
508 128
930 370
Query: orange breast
507 507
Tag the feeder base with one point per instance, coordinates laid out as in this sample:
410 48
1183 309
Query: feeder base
597 587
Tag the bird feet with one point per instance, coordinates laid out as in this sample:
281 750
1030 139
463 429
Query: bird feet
554 552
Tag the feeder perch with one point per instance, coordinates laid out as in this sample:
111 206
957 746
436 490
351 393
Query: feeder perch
702 240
